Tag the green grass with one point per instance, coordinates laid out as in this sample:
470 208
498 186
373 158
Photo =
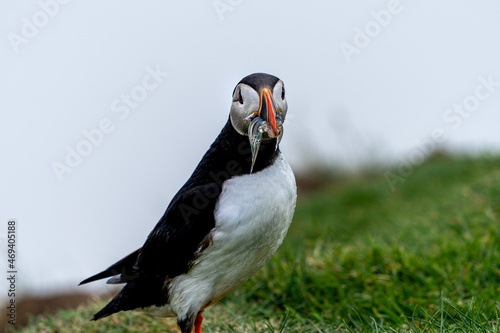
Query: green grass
359 257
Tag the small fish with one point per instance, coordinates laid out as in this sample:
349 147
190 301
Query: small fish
259 129
255 131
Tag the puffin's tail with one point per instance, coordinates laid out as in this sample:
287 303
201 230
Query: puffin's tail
109 309
141 293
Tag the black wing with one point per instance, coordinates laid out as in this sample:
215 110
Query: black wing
181 233
174 242
123 267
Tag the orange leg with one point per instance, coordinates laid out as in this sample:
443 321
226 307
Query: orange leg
197 323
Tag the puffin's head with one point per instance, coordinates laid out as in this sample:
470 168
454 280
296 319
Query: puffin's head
259 109
261 96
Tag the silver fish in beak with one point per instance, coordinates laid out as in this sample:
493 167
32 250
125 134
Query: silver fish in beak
267 123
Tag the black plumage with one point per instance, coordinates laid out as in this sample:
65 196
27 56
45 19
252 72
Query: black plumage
259 80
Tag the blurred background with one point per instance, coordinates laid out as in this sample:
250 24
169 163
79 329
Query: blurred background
107 107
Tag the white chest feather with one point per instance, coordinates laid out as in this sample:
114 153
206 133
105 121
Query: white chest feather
252 216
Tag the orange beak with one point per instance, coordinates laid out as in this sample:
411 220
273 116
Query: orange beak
267 110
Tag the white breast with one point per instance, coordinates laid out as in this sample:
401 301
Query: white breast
252 216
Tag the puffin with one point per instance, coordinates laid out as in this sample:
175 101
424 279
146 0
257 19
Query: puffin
224 223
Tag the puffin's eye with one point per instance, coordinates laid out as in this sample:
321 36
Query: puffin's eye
283 93
240 99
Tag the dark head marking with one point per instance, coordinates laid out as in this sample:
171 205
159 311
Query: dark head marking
259 80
